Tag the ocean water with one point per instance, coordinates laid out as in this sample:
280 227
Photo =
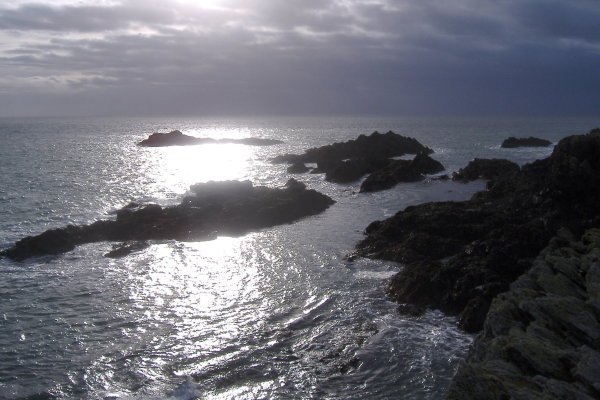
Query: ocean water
275 314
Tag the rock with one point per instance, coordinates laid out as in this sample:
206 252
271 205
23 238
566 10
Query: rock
176 138
374 146
352 170
126 248
458 256
213 208
536 343
349 161
531 141
484 168
398 171
297 168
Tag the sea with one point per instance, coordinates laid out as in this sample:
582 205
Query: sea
280 313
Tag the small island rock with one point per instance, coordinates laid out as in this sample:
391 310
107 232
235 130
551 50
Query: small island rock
513 142
176 138
227 208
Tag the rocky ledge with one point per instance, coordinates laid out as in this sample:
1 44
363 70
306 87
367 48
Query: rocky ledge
531 141
458 256
215 208
541 339
349 161
176 138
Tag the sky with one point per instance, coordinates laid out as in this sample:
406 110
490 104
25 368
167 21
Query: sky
299 57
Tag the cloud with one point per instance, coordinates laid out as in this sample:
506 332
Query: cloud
338 56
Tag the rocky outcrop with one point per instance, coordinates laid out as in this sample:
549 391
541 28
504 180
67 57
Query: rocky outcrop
398 171
485 168
541 339
531 141
349 161
352 170
215 208
176 138
458 256
374 146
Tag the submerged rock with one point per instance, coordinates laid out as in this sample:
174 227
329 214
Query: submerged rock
126 248
215 208
458 256
541 339
531 141
176 138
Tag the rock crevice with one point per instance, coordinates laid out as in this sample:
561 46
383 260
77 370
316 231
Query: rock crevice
541 339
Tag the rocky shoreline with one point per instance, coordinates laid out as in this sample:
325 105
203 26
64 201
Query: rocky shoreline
541 339
459 256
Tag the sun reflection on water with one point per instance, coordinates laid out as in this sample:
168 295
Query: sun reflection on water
175 168
205 294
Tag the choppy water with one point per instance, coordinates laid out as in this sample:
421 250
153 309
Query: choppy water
275 314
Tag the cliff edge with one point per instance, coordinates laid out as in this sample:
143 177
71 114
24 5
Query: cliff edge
541 339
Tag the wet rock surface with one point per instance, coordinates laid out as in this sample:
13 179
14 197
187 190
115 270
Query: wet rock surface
531 141
349 161
398 171
541 339
227 208
458 256
176 138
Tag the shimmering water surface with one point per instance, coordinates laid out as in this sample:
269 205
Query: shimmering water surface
275 314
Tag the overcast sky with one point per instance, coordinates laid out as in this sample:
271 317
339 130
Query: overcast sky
307 57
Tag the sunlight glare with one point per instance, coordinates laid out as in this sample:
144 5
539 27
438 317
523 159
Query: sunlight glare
206 4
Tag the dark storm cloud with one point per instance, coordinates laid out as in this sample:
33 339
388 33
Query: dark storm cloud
337 56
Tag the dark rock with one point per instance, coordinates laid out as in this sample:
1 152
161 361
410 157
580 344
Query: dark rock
349 161
352 170
484 168
297 168
176 138
374 146
458 256
398 171
213 208
412 310
538 341
531 141
126 248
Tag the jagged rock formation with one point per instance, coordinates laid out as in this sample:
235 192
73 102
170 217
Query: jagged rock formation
215 208
176 138
541 339
376 145
484 168
397 171
458 256
349 161
531 141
